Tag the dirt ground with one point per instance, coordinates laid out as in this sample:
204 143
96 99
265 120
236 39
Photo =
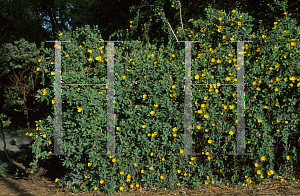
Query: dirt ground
17 186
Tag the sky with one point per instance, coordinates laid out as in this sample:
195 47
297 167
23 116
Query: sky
49 28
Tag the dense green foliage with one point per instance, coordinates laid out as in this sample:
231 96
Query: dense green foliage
23 19
151 111
149 83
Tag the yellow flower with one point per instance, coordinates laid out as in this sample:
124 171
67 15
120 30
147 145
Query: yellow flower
36 136
198 127
152 153
89 164
256 164
175 129
137 185
207 153
277 104
288 157
233 11
142 171
161 177
263 158
56 179
220 18
135 164
95 188
79 109
152 112
121 173
209 141
121 188
258 172
174 135
50 142
181 151
286 122
38 69
144 126
151 168
196 76
259 120
114 160
179 171
44 136
173 86
231 132
206 116
50 152
163 159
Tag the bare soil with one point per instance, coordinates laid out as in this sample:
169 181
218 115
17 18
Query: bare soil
17 186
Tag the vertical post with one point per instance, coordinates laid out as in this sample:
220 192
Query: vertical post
110 100
240 135
187 101
58 103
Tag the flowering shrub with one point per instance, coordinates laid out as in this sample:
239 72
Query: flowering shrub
149 84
